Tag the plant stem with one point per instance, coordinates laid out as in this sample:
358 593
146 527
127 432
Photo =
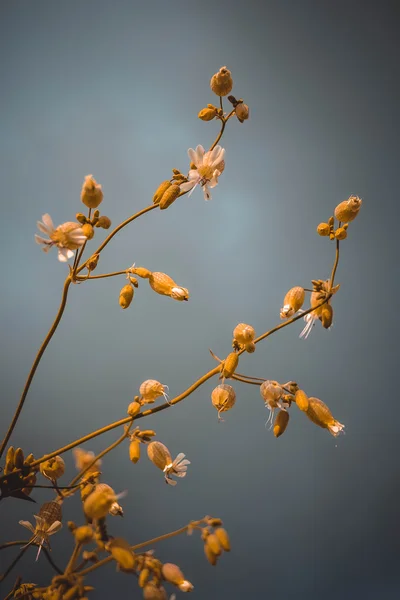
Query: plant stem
101 276
36 363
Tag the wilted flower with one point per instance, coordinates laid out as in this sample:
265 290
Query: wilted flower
161 458
223 398
152 389
221 83
292 302
83 458
53 468
48 521
271 392
67 237
244 334
206 172
99 502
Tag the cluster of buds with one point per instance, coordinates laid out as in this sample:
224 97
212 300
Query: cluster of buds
320 302
243 338
241 109
345 212
328 230
160 457
89 223
66 586
215 540
223 398
53 468
137 438
275 397
161 283
24 477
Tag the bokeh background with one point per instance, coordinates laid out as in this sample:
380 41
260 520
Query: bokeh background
113 89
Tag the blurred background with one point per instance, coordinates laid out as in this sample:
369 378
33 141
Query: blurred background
114 89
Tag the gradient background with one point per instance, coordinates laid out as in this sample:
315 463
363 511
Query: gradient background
113 89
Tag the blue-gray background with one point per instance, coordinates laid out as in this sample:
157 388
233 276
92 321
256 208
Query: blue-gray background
113 89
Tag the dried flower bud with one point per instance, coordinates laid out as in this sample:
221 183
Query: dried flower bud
29 481
152 389
250 348
19 458
81 218
229 365
301 400
159 455
84 534
121 552
134 451
126 296
207 114
92 262
88 230
211 557
153 592
242 111
323 229
223 538
53 468
326 316
340 233
169 196
104 222
91 194
172 574
271 392
213 544
348 210
99 502
141 272
144 577
133 409
164 285
162 188
221 83
319 413
243 333
223 397
281 423
292 302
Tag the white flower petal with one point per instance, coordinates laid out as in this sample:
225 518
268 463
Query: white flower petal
47 220
40 240
200 153
170 481
219 157
27 525
42 227
180 474
185 187
54 527
64 254
193 156
206 192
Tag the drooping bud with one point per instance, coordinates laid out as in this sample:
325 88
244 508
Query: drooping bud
99 502
250 348
144 577
242 112
340 233
213 544
207 114
348 210
134 451
133 409
323 229
153 592
326 316
159 455
121 553
53 468
126 296
223 538
221 83
19 458
223 397
162 188
319 413
10 465
104 222
83 534
271 392
92 262
164 285
88 230
281 423
301 400
152 389
244 334
169 196
292 302
91 194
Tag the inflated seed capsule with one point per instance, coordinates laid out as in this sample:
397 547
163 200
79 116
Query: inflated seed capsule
207 114
133 409
223 397
172 574
301 399
323 229
164 285
221 83
91 194
340 233
159 455
250 348
169 196
134 451
223 538
292 302
348 210
152 389
126 296
88 230
244 333
121 552
319 413
160 191
153 592
228 367
83 534
281 422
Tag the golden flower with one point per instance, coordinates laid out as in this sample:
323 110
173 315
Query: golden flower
162 188
281 422
208 167
223 398
83 458
126 296
348 210
151 389
67 237
91 194
292 302
319 413
244 334
164 285
53 468
221 83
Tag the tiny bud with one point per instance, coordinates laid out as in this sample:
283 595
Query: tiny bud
81 218
169 196
92 262
223 538
133 409
207 114
192 166
221 83
323 229
242 112
176 172
281 423
19 458
250 348
104 222
141 272
84 534
88 230
126 296
232 100
143 577
212 542
91 194
162 188
134 451
71 526
326 316
341 233
121 552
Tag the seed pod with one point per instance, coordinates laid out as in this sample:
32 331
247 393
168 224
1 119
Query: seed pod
126 296
91 194
341 233
223 538
271 392
213 543
153 592
211 557
121 553
323 229
134 451
207 114
99 502
53 468
250 348
104 222
221 83
152 389
159 455
143 577
83 534
133 409
281 423
242 111
92 262
164 285
169 196
19 458
10 465
319 413
326 316
244 334
160 191
223 397
228 367
348 210
172 574
301 399
292 302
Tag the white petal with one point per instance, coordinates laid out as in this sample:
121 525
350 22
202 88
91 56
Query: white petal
219 157
47 220
43 228
193 156
206 192
185 187
170 481
194 175
64 254
40 240
184 462
56 526
181 474
27 525
200 154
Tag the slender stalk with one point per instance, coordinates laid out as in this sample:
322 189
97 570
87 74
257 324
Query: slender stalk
36 364
335 265
74 556
101 276
44 550
13 563
14 588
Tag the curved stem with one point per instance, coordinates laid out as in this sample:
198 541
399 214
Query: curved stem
335 265
36 363
14 562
